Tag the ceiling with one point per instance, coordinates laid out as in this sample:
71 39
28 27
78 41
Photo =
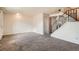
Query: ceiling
31 10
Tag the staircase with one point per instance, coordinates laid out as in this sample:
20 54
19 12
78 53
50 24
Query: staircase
69 31
73 12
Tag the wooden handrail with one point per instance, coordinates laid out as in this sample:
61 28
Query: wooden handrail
72 13
72 9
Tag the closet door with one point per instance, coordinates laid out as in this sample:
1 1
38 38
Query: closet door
1 24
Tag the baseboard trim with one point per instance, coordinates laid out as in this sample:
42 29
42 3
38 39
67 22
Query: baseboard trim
14 33
21 33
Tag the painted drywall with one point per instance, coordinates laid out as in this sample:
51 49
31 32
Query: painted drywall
17 23
46 24
1 24
68 32
38 23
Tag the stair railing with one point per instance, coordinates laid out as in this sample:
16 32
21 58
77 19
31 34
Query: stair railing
72 13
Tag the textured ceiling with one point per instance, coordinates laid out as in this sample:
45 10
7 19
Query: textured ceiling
31 10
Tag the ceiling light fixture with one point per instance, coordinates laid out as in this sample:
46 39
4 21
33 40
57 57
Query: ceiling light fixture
18 16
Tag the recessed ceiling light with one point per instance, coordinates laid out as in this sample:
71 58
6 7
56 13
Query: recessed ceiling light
17 14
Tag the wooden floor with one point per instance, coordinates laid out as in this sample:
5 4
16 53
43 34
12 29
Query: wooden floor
35 42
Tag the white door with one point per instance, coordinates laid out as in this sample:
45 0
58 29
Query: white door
1 24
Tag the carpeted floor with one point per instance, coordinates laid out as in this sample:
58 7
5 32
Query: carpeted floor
35 42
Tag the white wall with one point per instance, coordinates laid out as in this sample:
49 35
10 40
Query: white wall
38 23
17 23
1 24
46 24
69 32
14 23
